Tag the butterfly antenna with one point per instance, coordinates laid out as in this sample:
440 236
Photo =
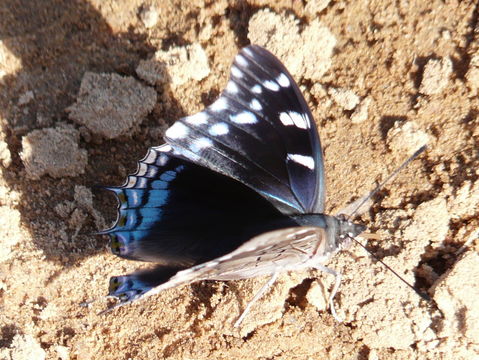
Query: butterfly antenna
420 293
391 176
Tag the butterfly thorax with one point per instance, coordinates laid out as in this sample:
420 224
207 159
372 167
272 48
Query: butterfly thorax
337 232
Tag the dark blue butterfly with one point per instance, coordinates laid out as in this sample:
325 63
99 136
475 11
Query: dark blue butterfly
238 191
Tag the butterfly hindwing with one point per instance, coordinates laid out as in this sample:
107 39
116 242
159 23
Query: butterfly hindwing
265 254
174 212
261 132
133 286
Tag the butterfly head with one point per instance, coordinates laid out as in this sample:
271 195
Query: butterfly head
347 230
338 231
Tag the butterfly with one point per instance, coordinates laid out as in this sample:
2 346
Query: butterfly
237 191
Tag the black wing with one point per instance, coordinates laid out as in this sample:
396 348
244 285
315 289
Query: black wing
174 212
261 132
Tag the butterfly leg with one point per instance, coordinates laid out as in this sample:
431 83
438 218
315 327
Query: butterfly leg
260 293
337 282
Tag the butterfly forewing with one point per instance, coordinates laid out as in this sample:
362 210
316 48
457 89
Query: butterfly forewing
270 252
260 131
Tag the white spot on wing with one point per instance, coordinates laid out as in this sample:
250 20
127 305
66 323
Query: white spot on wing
135 198
286 119
199 144
177 131
299 120
272 85
231 87
130 182
141 183
142 169
162 160
219 105
241 60
219 129
248 51
257 89
304 160
200 118
293 118
283 80
255 105
244 117
164 148
236 72
152 171
150 158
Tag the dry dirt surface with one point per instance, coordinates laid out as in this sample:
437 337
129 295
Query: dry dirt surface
87 86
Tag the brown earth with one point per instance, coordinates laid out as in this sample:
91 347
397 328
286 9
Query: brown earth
381 77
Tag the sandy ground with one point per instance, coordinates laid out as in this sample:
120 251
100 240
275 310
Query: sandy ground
87 86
